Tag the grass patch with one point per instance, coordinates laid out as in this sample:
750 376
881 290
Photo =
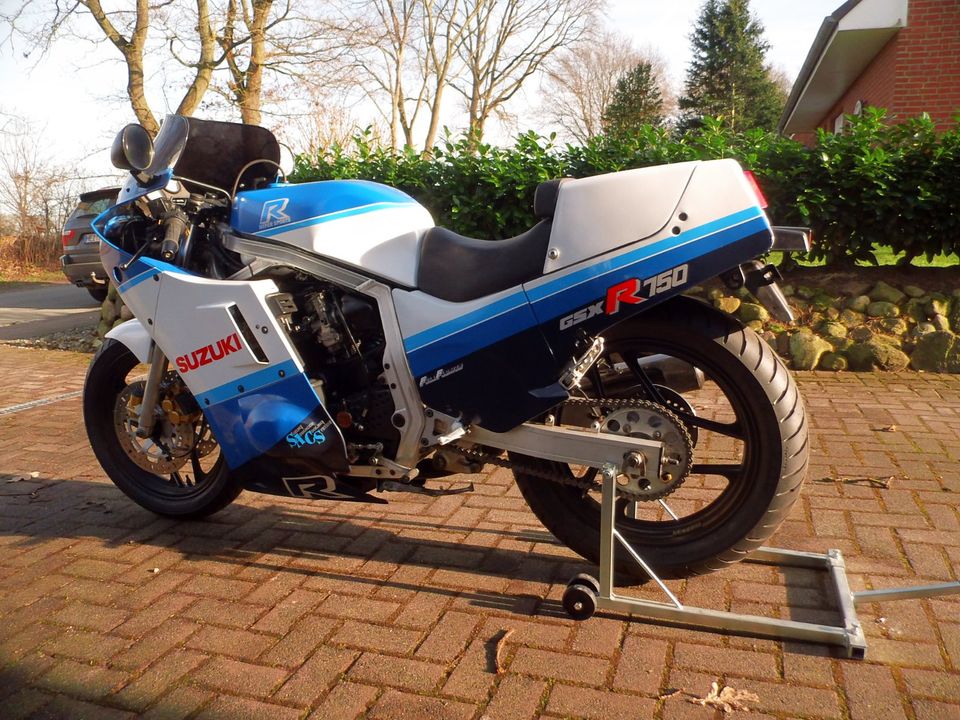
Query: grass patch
885 258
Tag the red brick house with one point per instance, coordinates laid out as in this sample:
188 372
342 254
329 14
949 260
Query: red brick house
903 55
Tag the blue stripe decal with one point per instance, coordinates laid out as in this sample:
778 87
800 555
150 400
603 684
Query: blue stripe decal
457 338
451 327
603 275
452 347
539 292
329 217
251 383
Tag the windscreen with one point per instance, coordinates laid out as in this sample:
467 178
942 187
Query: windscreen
216 152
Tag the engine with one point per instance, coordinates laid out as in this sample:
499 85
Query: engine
340 339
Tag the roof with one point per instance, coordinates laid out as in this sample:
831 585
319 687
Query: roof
847 42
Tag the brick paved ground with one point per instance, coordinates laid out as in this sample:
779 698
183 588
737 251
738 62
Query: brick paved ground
287 609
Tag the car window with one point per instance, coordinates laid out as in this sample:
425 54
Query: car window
94 207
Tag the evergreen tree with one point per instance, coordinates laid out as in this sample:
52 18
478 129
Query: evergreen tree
636 101
727 77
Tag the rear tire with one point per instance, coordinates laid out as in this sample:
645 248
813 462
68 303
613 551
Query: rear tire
106 379
769 415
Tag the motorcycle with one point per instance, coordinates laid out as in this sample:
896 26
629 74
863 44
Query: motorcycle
326 341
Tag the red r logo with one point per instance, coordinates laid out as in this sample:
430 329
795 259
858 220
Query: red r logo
625 292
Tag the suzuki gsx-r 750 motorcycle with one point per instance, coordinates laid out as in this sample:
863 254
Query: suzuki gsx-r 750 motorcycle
324 340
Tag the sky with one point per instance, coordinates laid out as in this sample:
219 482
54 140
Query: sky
74 96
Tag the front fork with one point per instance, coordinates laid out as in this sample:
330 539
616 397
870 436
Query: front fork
151 392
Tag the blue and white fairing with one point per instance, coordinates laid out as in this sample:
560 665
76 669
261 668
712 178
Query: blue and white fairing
229 348
375 228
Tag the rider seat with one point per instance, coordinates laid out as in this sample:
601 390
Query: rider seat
458 268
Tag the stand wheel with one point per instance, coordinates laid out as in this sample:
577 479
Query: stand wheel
586 579
580 601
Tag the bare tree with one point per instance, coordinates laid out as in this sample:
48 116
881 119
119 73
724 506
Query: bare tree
36 194
242 38
579 82
505 42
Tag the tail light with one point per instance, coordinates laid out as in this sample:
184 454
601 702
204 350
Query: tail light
67 237
752 180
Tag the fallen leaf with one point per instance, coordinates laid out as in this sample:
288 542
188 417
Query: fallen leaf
155 571
726 700
888 428
501 648
669 693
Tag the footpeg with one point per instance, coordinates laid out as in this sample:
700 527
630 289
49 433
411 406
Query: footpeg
392 486
574 374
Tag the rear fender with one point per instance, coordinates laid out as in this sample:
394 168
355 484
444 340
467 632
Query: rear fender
134 335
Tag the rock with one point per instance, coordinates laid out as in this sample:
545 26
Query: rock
755 325
937 306
955 312
788 290
770 338
874 354
916 309
822 301
752 311
913 291
806 349
924 328
125 313
715 294
832 313
695 290
858 304
727 304
894 326
831 329
107 311
882 308
839 344
103 328
783 344
833 361
937 352
940 323
742 293
883 292
112 293
861 334
798 304
805 293
852 318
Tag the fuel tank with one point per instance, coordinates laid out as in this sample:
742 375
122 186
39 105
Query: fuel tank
373 227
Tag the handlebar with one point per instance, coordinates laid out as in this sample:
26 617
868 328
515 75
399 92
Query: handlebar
175 224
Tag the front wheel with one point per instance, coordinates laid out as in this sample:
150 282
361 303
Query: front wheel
749 436
178 471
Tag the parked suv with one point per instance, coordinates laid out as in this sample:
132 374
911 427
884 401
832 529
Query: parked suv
81 246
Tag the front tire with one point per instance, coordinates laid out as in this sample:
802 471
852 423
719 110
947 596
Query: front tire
740 512
195 493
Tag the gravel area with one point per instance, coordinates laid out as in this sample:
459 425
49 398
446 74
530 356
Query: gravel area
83 340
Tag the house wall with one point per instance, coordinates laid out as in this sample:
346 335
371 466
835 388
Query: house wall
917 71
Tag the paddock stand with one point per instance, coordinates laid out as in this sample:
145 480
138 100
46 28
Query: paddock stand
584 595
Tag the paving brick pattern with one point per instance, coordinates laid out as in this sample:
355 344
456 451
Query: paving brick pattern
293 609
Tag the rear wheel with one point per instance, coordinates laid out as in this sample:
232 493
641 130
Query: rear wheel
749 435
178 471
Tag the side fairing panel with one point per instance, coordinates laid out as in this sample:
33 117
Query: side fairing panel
485 360
602 213
238 363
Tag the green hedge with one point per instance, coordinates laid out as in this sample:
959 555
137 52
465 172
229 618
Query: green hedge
897 186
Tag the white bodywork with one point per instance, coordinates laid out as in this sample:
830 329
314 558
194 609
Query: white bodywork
383 242
597 214
186 313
